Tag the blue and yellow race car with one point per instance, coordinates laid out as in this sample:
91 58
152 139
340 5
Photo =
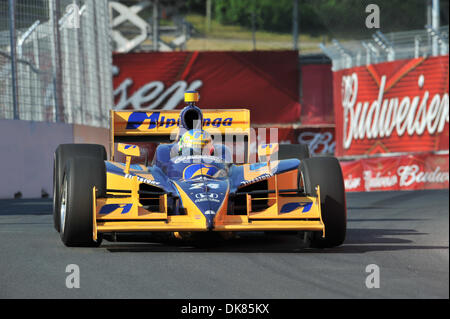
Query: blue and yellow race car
201 179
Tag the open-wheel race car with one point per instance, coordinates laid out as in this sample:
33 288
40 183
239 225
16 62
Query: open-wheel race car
194 183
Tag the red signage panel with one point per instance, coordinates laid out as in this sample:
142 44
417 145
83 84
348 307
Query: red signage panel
406 172
265 82
400 106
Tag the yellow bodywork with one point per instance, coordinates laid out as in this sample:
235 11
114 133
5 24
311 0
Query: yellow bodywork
139 219
216 122
126 213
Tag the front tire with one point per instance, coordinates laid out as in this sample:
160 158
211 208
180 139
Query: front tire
326 172
81 174
60 157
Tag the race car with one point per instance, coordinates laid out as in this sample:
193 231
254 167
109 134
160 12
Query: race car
194 185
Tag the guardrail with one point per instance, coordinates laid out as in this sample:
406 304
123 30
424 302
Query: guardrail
387 47
55 61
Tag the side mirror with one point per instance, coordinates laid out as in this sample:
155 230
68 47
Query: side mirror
265 151
129 150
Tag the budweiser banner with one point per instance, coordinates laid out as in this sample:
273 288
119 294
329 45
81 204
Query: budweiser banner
400 106
265 82
407 172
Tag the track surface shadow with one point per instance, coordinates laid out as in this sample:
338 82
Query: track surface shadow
358 241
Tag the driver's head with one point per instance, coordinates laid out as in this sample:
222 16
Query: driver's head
195 142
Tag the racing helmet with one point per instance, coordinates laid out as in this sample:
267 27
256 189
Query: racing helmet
195 142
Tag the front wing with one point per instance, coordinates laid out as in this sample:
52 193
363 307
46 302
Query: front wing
121 211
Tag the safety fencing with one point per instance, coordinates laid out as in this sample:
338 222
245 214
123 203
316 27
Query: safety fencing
55 61
388 47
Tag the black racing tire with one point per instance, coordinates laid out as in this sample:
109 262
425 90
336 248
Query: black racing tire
299 151
60 157
80 175
327 173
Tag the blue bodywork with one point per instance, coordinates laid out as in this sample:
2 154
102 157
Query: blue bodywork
206 180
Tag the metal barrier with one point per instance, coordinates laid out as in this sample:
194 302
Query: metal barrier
55 61
388 47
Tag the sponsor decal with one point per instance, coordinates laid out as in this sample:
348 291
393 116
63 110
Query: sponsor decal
256 179
196 186
153 120
212 185
199 158
289 207
142 179
109 208
203 197
201 169
201 185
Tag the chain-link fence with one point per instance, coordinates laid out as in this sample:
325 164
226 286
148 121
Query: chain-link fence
55 61
388 47
170 25
223 25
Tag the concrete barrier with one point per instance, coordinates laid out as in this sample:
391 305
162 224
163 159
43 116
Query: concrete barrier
26 154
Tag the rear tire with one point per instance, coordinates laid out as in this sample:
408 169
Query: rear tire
326 172
80 175
60 157
287 151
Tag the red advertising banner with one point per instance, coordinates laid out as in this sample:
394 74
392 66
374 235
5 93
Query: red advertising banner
408 172
400 106
317 100
436 172
265 82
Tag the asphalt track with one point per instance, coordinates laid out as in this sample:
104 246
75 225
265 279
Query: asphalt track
405 233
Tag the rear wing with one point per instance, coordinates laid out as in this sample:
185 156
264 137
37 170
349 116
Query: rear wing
161 126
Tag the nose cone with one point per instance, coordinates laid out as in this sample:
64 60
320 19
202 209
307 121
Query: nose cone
211 206
208 195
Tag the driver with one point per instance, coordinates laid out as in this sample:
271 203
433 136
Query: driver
195 142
